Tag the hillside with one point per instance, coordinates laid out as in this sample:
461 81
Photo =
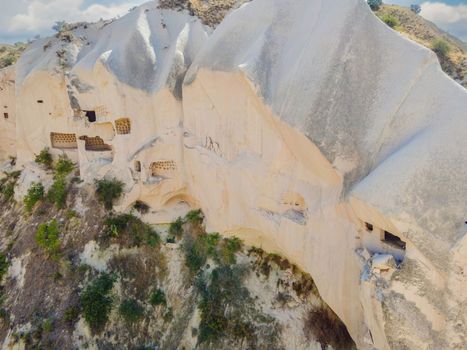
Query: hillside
9 54
415 27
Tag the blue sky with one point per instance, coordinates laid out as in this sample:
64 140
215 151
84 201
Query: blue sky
23 19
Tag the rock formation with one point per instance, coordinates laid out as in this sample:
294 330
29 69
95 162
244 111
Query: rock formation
307 128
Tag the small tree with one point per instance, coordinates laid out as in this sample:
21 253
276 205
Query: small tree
416 8
375 4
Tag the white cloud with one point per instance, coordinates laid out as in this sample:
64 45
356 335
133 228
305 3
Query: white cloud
451 18
28 17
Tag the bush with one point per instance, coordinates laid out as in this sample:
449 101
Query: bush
194 216
96 301
108 191
44 158
35 194
157 297
47 326
71 314
8 191
47 237
390 20
64 166
131 310
131 226
228 248
440 47
176 228
198 250
58 192
375 4
4 265
141 207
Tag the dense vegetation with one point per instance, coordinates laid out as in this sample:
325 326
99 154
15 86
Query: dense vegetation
96 301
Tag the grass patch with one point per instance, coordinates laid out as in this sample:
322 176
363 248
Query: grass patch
108 191
96 301
47 237
34 195
131 310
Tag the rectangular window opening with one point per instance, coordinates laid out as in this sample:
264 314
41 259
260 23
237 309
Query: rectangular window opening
394 240
91 115
5 115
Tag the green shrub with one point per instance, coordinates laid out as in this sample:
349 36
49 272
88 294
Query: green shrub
141 207
227 250
64 166
205 246
390 20
7 61
70 213
195 216
35 194
131 310
58 192
44 158
441 47
47 237
198 250
4 264
109 191
71 314
375 4
8 191
176 228
131 226
157 297
47 325
96 301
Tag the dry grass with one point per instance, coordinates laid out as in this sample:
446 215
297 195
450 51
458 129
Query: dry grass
211 12
426 33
